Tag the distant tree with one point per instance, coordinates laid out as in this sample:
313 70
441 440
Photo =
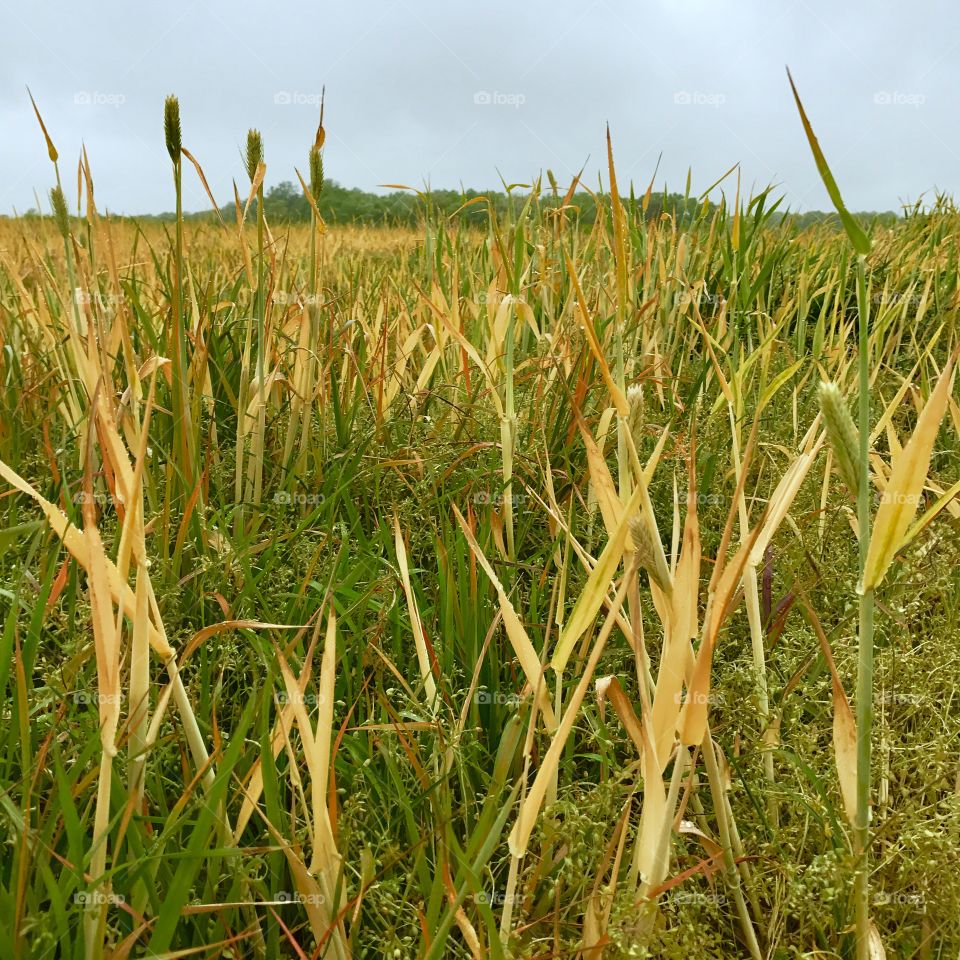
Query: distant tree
285 203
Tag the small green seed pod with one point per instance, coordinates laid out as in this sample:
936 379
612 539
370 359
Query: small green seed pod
254 153
316 173
58 202
842 435
651 559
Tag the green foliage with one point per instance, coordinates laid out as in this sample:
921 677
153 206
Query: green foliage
285 203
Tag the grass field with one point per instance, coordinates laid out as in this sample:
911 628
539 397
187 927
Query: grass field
455 593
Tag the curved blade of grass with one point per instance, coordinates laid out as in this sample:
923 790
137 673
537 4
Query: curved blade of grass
858 238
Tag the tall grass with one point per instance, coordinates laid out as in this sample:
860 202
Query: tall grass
900 499
457 593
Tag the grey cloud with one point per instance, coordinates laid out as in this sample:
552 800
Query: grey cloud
460 93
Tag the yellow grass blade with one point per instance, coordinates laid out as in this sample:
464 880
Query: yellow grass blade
608 688
679 632
75 542
844 729
616 394
419 637
258 176
780 502
595 589
203 180
695 709
907 477
530 807
51 149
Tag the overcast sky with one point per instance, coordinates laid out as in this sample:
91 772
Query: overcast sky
459 93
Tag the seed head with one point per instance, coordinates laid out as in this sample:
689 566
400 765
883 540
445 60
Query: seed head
842 434
171 127
254 152
58 203
316 173
648 556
